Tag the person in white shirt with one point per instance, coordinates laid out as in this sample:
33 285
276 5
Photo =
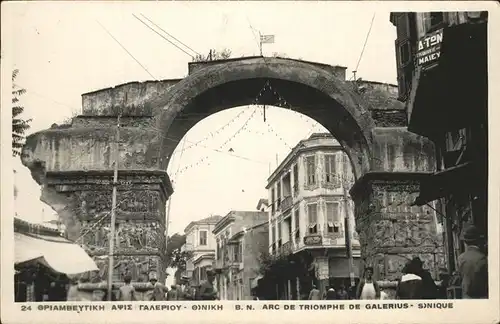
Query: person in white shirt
368 287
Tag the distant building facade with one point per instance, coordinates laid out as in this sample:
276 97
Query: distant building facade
241 237
201 243
307 215
443 80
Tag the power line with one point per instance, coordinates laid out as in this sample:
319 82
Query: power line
253 32
163 30
364 45
43 96
125 49
168 40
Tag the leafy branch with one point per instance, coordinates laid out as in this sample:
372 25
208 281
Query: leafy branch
19 125
214 55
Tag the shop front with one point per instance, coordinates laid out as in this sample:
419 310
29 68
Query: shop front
450 107
43 265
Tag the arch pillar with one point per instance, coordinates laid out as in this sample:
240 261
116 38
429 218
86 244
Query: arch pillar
74 165
391 230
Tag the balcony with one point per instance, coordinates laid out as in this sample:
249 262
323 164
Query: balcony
286 203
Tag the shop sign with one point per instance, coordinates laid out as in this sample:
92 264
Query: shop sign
429 48
313 240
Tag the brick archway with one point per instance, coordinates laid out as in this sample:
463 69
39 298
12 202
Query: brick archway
308 88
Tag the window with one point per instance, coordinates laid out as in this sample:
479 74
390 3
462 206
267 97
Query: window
273 234
311 169
297 222
436 18
295 178
203 237
312 213
237 252
278 198
218 255
406 36
273 207
404 54
330 168
279 230
332 217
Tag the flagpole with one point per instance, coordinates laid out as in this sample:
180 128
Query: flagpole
260 44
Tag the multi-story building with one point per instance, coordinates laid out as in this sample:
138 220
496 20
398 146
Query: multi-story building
309 206
241 236
201 243
443 80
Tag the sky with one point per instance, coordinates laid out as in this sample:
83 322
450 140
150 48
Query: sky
67 51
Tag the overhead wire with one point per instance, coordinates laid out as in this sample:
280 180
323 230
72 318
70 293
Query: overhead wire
163 30
168 40
126 50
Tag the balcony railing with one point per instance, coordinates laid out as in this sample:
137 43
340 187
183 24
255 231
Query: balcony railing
286 203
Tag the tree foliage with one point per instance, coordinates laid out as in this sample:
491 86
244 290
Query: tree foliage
214 55
177 258
274 265
19 125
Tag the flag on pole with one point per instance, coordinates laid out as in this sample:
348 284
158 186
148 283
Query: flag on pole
267 39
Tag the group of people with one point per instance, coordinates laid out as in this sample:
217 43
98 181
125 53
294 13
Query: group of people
330 294
160 292
414 283
417 283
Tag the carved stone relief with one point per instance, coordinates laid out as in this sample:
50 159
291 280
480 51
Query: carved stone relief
92 203
387 223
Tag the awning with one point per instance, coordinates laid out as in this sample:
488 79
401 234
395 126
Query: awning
339 268
255 282
448 181
59 254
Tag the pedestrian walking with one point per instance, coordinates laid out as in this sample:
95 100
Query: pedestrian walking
158 291
410 286
127 291
368 287
473 266
314 294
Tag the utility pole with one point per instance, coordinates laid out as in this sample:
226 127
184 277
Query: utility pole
113 212
167 222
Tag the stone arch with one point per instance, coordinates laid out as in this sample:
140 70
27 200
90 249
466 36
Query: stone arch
310 89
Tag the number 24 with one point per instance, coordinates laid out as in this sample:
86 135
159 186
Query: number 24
25 308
